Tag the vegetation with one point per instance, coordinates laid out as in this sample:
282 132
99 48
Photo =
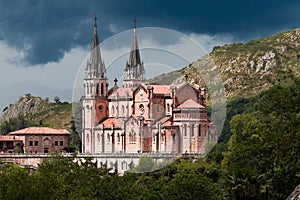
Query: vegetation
257 157
260 160
38 112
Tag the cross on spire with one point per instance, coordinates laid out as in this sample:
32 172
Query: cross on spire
134 22
186 77
116 81
95 66
95 20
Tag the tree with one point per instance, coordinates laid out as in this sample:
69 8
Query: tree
28 95
57 100
263 151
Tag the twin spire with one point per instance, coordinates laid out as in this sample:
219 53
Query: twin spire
95 66
134 58
134 72
134 69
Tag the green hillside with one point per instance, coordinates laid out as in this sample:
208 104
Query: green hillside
31 110
246 69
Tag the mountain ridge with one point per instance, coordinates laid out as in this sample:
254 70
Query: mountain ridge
246 68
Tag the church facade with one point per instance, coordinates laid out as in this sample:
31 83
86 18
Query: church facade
139 117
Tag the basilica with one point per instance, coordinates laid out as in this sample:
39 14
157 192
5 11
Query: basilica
139 117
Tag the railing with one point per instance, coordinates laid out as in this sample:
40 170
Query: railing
152 154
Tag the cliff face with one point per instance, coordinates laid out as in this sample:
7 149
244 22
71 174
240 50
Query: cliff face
24 106
246 69
40 112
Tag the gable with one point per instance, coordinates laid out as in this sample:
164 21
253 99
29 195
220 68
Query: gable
185 92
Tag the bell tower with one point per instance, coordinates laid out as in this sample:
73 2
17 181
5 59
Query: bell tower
134 73
95 103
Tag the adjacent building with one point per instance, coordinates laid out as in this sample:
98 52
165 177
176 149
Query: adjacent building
11 144
39 140
138 117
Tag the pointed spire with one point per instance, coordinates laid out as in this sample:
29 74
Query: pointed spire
134 72
135 58
134 21
95 66
95 38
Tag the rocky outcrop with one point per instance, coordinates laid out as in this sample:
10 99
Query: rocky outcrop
247 69
24 106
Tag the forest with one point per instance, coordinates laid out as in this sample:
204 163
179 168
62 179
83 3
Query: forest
257 157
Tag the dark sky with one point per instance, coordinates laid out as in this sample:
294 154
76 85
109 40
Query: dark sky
45 30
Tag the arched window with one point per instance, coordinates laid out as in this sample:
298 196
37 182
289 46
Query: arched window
119 139
97 88
112 110
185 130
108 137
102 89
130 138
134 137
199 130
86 88
192 130
100 107
91 90
123 110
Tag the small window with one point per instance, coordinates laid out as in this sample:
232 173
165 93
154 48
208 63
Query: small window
168 107
192 130
61 143
119 139
141 96
134 137
97 88
56 143
30 143
102 89
100 108
199 130
142 109
46 150
36 143
112 110
123 110
185 130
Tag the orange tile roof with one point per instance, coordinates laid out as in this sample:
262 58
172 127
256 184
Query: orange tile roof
121 92
118 122
9 138
166 121
40 131
189 103
161 89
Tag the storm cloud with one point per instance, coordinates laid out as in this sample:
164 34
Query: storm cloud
45 30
